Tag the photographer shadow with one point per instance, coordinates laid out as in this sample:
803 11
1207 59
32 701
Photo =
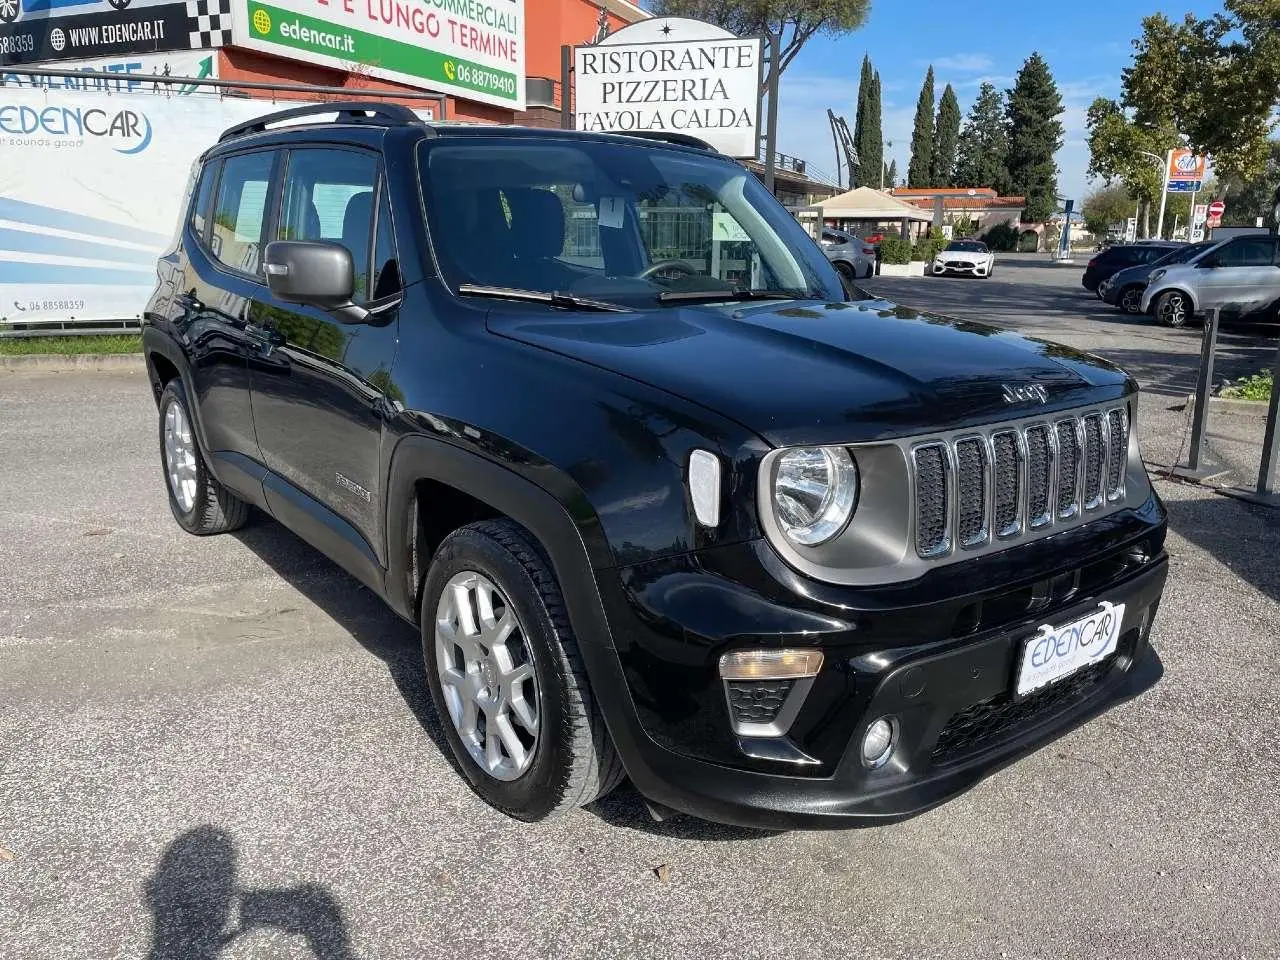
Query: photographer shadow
198 909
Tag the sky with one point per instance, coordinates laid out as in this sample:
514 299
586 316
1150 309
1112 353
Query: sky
1086 43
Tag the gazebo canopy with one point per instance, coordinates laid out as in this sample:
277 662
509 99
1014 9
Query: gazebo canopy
867 203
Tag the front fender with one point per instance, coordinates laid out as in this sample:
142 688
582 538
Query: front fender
566 532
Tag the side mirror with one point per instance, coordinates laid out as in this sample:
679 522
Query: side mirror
317 273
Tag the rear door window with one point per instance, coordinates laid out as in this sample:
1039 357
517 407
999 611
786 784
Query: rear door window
240 214
1248 252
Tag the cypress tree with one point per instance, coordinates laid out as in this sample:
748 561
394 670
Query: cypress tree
891 176
984 144
920 170
860 120
946 133
869 144
1035 135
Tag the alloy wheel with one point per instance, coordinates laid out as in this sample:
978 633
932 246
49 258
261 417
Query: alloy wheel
180 456
1131 300
1173 310
487 675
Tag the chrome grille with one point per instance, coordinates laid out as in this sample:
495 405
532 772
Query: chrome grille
1117 452
1005 483
931 500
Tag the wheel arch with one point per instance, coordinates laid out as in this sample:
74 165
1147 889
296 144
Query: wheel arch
467 487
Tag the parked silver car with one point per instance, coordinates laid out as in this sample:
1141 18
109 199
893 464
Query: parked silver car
852 256
1240 275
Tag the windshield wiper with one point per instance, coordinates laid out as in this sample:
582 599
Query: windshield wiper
730 296
557 299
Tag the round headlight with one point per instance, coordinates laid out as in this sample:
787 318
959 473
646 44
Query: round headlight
814 492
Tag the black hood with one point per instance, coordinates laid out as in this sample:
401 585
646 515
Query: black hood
799 372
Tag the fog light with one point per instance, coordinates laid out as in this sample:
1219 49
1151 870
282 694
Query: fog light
878 742
770 664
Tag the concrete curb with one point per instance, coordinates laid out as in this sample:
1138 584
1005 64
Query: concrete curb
55 363
1256 409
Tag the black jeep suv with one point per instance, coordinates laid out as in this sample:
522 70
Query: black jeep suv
666 499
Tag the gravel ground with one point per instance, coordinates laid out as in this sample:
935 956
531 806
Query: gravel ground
224 747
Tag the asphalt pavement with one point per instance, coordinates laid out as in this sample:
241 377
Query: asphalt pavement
223 747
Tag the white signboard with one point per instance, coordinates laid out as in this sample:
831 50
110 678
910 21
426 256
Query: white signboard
132 74
90 190
676 76
1131 230
471 48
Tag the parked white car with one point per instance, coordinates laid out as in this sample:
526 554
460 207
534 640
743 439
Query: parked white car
967 257
1241 276
852 256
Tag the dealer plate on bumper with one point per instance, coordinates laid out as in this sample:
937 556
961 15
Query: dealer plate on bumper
1057 652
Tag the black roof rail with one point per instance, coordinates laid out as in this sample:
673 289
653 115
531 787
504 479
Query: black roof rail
679 139
348 111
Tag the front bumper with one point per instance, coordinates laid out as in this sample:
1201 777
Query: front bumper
949 694
971 270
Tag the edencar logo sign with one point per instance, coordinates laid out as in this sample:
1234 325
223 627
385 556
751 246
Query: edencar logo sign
128 130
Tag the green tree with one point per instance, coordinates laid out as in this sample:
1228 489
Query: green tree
1035 135
891 174
946 133
1214 81
798 21
1249 199
1106 206
983 143
860 119
870 144
920 169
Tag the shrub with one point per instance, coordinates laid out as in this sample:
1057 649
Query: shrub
1028 242
895 250
924 250
1002 237
1256 387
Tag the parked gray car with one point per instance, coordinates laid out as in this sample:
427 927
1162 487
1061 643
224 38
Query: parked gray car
1241 276
852 256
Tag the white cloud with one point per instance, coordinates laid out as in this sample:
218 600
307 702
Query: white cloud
963 63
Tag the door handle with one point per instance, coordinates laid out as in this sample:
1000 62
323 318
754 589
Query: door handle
188 301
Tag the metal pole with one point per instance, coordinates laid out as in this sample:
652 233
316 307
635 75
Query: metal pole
1271 443
771 130
350 93
566 86
1203 385
1168 162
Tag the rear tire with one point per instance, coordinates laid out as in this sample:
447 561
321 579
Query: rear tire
561 756
200 504
1172 309
846 270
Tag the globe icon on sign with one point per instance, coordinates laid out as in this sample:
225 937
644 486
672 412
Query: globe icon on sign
261 22
57 40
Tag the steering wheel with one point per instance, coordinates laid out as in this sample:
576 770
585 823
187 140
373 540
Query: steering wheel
662 266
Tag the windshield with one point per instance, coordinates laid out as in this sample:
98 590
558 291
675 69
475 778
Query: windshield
968 246
626 224
1183 254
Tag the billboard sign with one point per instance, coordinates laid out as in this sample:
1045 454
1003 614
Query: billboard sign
1186 171
673 75
90 190
131 74
43 31
470 48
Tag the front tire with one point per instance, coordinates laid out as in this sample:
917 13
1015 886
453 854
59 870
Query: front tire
507 678
1172 309
1130 299
200 504
846 270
